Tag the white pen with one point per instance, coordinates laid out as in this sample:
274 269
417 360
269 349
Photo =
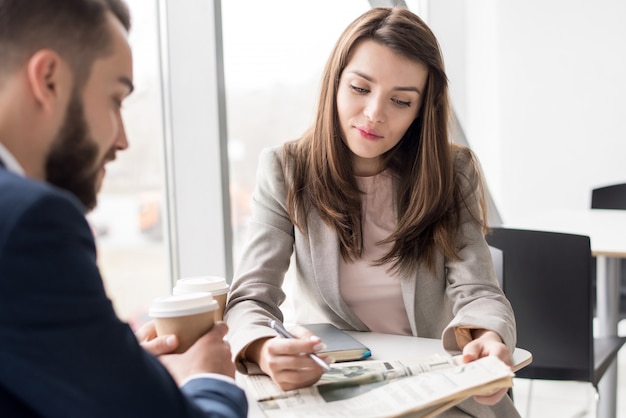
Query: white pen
278 327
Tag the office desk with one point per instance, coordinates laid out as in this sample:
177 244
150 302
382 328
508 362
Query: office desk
607 232
385 346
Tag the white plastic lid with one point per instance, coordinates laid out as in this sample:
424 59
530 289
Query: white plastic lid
214 284
182 305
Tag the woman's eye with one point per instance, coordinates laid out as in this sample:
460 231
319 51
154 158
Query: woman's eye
358 89
401 103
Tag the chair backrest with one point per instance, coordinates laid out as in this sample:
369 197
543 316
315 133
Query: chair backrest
547 278
498 264
609 197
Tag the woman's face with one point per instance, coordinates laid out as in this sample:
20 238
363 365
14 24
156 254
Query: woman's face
379 96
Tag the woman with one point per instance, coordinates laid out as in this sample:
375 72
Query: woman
385 215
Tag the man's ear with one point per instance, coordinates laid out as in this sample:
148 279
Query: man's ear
48 78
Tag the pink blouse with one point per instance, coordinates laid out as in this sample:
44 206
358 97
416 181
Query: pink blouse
373 293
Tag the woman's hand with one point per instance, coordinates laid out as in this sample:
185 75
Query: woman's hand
286 361
487 343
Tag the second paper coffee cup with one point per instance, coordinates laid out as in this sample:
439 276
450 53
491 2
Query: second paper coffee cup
188 316
215 284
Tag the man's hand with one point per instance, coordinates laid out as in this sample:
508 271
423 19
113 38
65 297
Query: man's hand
486 343
286 361
210 354
147 337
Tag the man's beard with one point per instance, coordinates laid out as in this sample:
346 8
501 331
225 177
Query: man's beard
72 162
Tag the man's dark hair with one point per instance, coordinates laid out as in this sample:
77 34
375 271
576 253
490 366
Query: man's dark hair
75 29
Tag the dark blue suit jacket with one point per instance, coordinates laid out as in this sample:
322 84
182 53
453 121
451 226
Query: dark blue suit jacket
63 351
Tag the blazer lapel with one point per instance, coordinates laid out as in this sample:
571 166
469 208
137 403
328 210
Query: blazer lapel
325 256
408 286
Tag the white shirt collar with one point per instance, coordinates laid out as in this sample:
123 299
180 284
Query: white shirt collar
10 162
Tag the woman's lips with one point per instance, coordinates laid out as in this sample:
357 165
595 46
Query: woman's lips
368 133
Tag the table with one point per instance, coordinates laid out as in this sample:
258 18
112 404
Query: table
606 230
386 346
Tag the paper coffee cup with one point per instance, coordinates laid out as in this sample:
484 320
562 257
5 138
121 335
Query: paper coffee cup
214 284
189 316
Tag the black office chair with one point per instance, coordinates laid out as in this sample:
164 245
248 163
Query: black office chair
609 197
547 278
497 257
613 197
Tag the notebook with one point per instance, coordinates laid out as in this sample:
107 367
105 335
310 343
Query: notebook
339 345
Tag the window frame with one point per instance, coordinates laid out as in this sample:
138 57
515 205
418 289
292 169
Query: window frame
196 167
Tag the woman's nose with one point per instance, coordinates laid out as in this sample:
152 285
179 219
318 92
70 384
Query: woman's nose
374 110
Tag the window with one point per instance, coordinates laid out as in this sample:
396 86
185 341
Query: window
274 54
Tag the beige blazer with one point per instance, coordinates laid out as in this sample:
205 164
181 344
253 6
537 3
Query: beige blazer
460 293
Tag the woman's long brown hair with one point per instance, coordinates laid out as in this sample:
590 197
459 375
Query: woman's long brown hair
428 197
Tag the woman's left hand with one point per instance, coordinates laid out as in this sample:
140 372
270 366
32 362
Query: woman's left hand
487 343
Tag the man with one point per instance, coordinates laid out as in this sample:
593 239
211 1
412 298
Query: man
65 68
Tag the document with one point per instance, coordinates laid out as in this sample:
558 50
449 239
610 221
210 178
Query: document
423 387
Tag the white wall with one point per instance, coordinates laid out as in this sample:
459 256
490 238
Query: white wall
540 87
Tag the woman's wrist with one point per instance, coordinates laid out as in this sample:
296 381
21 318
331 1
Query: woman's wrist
485 333
252 352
